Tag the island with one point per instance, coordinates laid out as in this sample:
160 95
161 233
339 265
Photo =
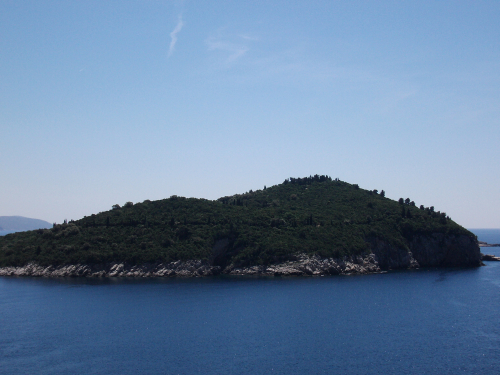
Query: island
314 225
485 244
10 224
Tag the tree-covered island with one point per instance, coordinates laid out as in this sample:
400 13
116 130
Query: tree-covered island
313 225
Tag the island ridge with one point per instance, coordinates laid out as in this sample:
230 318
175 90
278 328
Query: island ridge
304 226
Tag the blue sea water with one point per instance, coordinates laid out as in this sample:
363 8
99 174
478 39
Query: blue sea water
430 321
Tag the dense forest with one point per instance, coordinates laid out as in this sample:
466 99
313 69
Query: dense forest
312 215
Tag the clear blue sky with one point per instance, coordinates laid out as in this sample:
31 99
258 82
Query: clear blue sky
103 102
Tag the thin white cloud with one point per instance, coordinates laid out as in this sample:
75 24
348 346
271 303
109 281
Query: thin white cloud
231 47
249 37
173 36
235 51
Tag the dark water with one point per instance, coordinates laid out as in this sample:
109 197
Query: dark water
416 322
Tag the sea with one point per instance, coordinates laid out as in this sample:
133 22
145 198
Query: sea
427 321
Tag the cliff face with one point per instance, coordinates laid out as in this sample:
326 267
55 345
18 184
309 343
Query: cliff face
390 257
440 250
434 250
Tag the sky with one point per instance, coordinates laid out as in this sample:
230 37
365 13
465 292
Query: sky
104 102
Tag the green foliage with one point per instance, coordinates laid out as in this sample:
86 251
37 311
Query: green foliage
314 215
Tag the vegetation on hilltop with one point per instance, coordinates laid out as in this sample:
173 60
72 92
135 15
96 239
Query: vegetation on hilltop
313 215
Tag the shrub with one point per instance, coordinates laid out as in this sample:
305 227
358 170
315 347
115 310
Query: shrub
183 233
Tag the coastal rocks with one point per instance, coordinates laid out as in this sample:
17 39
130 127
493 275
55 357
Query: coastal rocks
485 244
489 257
306 265
189 268
50 271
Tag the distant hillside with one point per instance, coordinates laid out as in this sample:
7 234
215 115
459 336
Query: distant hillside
315 215
20 223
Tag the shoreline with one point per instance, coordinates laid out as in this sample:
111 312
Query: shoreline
304 266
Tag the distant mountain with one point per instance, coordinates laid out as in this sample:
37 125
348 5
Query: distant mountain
20 224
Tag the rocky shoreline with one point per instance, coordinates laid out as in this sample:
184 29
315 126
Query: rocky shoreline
437 250
303 265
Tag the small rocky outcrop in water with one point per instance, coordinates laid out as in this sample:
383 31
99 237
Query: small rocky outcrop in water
485 244
489 257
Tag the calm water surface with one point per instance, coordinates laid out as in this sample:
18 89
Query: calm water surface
416 322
